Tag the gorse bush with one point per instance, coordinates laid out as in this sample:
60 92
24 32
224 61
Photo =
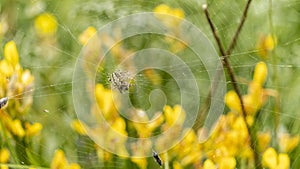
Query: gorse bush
129 84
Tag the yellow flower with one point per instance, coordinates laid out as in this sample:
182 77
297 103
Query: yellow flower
102 154
27 78
7 69
177 12
116 137
45 24
3 27
260 73
4 155
78 127
188 150
287 143
119 125
174 116
34 129
4 167
105 101
143 125
177 165
16 128
87 34
141 162
232 101
59 160
273 160
264 139
209 164
11 53
152 76
165 9
240 125
73 166
227 163
161 12
265 45
223 163
252 104
256 96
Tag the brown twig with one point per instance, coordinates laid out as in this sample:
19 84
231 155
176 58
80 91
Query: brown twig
226 64
213 29
238 31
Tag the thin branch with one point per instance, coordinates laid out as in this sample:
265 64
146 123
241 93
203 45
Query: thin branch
226 64
213 29
237 32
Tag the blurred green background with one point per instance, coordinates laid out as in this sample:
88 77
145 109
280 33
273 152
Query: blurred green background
52 62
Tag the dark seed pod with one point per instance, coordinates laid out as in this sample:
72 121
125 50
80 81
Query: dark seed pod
3 102
157 158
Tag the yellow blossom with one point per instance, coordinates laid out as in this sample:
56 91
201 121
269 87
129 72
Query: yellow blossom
73 166
11 53
152 76
59 160
34 129
45 24
260 73
165 9
283 161
265 45
27 77
252 104
227 163
78 127
177 165
287 143
106 103
7 69
264 139
145 129
175 115
191 158
141 162
4 155
250 120
232 101
87 34
209 164
273 160
16 128
119 125
177 12
161 12
102 154
116 137
3 27
240 125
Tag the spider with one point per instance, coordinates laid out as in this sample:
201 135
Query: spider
121 80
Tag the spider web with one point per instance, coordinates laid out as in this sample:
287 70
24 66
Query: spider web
53 65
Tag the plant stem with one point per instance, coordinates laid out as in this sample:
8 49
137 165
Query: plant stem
237 32
226 64
13 154
275 74
166 162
